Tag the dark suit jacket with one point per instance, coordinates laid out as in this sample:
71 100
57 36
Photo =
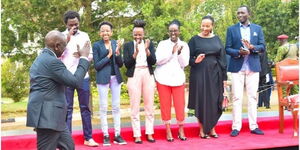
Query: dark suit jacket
129 61
102 63
233 44
47 106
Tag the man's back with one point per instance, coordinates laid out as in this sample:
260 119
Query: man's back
287 50
45 95
293 52
47 102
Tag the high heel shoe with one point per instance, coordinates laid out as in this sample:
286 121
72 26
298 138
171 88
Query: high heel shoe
205 136
152 140
214 135
182 138
169 136
138 141
170 139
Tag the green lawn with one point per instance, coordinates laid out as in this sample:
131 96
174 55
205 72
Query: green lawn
9 109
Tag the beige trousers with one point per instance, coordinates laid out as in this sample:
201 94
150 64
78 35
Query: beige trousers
141 83
240 80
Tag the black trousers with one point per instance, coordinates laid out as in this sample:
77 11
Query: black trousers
48 139
263 97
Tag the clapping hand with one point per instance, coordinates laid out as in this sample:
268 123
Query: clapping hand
199 58
85 51
119 45
244 51
247 44
177 48
147 45
110 52
136 49
76 54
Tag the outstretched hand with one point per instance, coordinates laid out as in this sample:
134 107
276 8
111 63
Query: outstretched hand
85 51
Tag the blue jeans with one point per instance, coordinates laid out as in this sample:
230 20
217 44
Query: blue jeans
83 93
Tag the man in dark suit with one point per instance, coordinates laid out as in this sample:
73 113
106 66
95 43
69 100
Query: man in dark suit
244 42
47 106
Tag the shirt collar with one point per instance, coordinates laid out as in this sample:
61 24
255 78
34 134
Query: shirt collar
178 41
241 25
51 51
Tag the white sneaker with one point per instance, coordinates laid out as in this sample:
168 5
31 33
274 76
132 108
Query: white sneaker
91 143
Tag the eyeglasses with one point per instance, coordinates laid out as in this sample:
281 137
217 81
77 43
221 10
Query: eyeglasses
173 31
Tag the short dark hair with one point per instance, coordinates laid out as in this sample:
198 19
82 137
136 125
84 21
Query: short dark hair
210 18
176 22
71 15
105 23
248 9
139 23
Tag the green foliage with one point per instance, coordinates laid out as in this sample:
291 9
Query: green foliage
26 21
124 95
277 18
14 80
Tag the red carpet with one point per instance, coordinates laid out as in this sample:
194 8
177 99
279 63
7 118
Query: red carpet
245 140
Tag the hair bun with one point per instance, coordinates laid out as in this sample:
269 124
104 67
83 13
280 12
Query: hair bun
175 21
139 23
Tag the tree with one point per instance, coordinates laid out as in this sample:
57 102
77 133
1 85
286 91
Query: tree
14 80
28 21
277 18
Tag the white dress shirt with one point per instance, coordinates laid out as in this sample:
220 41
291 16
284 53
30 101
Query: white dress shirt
67 57
245 33
170 67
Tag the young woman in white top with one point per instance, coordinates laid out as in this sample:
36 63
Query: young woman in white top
172 56
139 57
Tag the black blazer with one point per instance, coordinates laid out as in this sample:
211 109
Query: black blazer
102 63
47 105
129 61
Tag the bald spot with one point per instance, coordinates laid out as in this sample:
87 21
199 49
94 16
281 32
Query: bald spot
54 37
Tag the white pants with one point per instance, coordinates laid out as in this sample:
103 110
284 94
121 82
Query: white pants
103 94
250 80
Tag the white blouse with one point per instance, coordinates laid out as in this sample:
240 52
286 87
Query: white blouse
141 58
170 67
